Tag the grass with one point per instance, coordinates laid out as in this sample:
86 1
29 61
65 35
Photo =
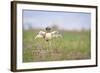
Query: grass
73 45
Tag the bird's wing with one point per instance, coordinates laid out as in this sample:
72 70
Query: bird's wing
42 33
54 32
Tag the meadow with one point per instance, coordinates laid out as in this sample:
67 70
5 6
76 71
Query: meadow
74 45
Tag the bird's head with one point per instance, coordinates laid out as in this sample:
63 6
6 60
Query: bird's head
48 29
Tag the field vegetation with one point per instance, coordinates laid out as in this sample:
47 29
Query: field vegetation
74 45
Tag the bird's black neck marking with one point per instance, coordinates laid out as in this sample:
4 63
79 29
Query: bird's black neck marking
47 40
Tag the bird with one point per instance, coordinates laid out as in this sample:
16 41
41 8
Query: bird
48 35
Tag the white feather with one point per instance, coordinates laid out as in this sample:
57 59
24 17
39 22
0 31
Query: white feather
41 34
48 35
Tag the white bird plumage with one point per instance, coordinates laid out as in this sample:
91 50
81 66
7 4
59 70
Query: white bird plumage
41 34
48 35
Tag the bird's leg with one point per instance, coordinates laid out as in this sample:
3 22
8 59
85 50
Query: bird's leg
50 44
